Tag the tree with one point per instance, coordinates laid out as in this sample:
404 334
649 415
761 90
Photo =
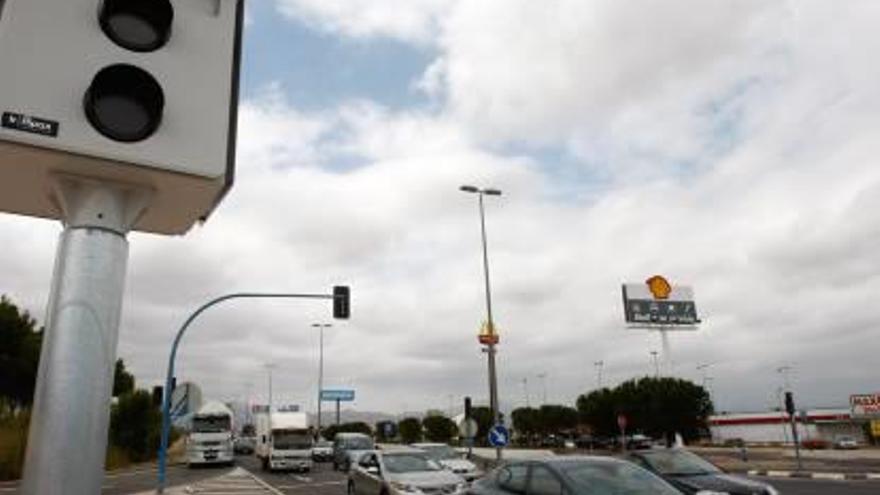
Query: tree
555 419
410 430
123 381
20 342
135 425
439 429
483 416
657 407
525 422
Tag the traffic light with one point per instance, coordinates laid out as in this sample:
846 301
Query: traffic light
467 407
157 396
341 302
138 92
789 403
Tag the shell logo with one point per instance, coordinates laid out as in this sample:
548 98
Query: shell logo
659 287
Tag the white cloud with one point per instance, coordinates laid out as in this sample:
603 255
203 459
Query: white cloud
739 140
408 20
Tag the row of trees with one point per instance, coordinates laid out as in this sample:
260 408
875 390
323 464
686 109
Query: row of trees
134 421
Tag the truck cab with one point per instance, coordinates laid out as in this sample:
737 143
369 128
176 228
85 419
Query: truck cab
209 440
284 441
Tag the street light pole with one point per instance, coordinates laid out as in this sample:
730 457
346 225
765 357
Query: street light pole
493 383
543 377
320 327
269 368
598 365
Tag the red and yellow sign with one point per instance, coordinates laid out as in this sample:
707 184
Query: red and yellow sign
488 334
659 287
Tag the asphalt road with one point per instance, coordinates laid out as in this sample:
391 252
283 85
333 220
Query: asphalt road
324 481
138 480
819 487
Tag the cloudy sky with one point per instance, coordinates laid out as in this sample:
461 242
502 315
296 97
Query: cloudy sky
729 145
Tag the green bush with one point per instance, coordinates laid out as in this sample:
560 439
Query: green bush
13 441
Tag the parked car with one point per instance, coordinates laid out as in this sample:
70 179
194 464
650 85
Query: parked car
637 442
449 459
322 451
402 472
692 474
347 448
845 443
572 475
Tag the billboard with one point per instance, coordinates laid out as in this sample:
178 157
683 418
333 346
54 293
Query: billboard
865 405
337 395
657 302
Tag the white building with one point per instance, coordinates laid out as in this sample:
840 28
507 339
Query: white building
775 426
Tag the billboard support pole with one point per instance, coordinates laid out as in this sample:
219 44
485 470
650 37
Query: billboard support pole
667 353
337 411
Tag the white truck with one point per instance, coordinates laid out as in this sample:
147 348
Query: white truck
209 440
284 441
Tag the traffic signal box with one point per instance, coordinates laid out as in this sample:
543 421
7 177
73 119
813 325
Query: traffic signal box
140 92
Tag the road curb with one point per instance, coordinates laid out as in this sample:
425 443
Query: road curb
815 476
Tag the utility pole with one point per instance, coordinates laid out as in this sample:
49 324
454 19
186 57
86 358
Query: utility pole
320 327
525 382
543 377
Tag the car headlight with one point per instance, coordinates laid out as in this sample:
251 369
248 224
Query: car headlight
403 487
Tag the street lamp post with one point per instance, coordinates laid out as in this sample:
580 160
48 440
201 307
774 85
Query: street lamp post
493 383
599 365
543 377
320 327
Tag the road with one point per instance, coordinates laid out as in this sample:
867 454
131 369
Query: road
324 481
818 487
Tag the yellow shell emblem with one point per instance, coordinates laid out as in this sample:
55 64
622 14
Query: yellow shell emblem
659 287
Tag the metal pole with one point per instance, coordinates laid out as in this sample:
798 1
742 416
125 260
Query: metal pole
543 377
599 365
67 439
526 391
320 377
667 353
337 411
166 402
493 381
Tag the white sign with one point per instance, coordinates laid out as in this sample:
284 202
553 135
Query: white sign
468 428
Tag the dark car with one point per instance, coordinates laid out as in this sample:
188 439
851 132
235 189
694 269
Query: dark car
691 473
572 475
348 446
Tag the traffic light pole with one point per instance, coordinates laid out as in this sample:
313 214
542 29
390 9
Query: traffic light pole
166 402
67 439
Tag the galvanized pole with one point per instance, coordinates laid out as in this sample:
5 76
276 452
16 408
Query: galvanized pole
67 439
320 327
493 377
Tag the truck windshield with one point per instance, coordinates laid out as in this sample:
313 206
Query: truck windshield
289 441
211 424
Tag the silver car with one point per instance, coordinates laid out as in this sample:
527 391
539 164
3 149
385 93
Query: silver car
449 459
572 475
402 472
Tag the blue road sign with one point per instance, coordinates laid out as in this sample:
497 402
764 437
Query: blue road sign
334 395
499 436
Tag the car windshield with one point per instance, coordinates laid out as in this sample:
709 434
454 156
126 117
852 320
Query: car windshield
440 452
409 463
290 441
357 443
678 462
210 424
615 478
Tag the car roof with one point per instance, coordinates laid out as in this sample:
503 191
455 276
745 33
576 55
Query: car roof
422 445
401 450
570 459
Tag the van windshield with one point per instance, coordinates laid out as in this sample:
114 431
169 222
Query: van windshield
211 424
359 443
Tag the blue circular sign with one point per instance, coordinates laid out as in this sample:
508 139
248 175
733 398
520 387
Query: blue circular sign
499 436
